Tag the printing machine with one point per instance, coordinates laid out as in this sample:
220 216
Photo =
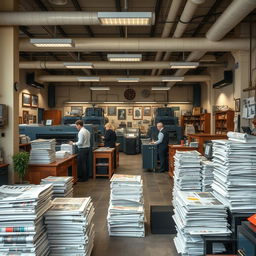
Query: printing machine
131 143
70 119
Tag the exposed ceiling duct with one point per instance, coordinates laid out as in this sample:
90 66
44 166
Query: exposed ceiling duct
143 44
63 79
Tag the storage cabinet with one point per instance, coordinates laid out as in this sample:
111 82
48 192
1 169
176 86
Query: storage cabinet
202 122
224 121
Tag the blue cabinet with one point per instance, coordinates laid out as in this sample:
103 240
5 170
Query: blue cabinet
149 156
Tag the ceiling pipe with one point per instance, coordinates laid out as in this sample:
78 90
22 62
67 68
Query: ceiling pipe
107 65
142 79
48 18
143 44
186 16
171 17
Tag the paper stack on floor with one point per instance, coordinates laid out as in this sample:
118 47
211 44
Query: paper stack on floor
70 227
207 175
42 151
61 154
235 173
126 209
197 214
62 186
187 171
21 219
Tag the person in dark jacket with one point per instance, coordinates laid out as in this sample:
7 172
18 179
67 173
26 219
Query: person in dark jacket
162 147
110 136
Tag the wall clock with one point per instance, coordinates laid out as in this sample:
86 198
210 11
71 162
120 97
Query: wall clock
129 94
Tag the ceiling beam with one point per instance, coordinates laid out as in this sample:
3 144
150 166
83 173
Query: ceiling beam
119 9
157 13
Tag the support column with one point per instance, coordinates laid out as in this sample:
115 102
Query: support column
9 74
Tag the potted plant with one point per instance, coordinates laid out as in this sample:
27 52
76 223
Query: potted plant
20 162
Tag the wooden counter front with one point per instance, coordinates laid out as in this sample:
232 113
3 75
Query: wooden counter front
202 137
36 172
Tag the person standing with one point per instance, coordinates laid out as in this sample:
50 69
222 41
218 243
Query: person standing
162 147
110 136
83 145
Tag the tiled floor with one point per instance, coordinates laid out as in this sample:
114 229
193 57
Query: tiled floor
157 191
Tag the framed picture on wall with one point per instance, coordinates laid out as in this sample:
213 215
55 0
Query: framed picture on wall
147 111
130 112
237 105
111 111
20 119
121 114
77 109
137 113
26 100
34 101
25 116
34 119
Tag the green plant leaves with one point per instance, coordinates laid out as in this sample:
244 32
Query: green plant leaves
20 161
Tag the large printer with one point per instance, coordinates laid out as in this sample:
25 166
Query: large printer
166 116
62 134
149 154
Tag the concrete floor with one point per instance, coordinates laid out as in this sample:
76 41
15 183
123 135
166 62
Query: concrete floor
157 191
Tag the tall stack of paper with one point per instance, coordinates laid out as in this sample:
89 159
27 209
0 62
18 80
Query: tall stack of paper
68 148
62 186
207 175
70 227
187 171
126 209
21 219
235 173
61 154
196 214
42 151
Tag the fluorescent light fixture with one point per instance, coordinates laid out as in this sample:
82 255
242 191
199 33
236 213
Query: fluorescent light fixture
83 65
172 78
160 88
88 79
124 57
186 64
126 18
128 79
52 42
100 88
180 102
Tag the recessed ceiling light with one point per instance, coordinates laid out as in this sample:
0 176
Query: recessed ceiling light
126 18
124 57
51 42
100 88
184 64
128 79
84 65
160 88
88 79
58 2
172 78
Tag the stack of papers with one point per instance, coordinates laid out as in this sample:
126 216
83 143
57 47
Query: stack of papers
42 151
187 171
62 186
197 214
235 174
61 154
126 211
70 227
207 175
241 137
68 148
22 230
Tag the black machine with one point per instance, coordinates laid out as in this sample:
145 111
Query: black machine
149 155
208 149
131 144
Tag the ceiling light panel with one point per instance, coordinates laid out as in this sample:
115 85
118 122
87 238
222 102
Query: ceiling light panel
88 79
128 79
160 88
124 57
172 78
184 64
52 42
83 65
99 88
126 18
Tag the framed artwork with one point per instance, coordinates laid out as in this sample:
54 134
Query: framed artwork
25 117
137 113
34 101
130 112
77 109
237 105
26 100
48 122
121 114
20 119
111 111
34 119
147 111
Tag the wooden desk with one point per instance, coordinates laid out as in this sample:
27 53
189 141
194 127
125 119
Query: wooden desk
117 152
202 137
106 153
26 146
36 172
4 165
172 151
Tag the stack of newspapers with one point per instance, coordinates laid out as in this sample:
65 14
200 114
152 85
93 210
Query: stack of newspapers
197 214
126 209
70 227
235 172
207 175
42 151
62 186
21 219
61 154
187 171
68 148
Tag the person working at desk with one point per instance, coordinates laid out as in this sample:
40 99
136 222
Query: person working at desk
110 136
162 147
83 145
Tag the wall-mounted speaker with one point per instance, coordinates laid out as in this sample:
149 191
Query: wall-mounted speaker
51 96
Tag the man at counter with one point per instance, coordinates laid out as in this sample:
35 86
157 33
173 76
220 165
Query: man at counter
83 145
162 147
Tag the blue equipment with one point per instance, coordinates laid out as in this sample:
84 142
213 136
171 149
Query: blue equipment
149 155
70 119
